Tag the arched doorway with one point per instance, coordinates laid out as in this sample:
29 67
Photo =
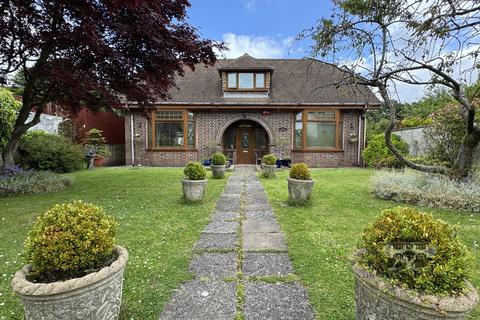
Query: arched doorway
245 142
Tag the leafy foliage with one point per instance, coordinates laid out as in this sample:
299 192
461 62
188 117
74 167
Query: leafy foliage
300 171
45 151
429 190
195 171
96 142
444 273
269 159
8 113
219 158
378 155
15 181
70 239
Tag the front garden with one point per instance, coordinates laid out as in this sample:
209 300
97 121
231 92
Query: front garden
156 225
323 235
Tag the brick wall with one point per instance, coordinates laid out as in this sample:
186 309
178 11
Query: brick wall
210 126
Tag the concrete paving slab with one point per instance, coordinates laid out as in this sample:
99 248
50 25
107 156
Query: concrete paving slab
267 264
221 227
260 225
214 265
263 241
217 241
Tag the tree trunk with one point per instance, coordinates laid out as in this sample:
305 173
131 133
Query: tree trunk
466 154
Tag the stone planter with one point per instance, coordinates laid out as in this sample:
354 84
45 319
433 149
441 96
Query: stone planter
299 190
97 295
268 170
379 300
193 190
218 171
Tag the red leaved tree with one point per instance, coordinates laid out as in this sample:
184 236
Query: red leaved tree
95 53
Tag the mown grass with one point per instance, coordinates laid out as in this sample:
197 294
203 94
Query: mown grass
155 225
322 236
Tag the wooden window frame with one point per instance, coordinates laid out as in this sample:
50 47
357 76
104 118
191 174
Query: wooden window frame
184 120
254 88
338 123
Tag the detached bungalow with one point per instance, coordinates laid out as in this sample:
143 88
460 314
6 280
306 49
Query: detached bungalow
299 108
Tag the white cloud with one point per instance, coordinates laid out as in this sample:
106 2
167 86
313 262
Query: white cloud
256 46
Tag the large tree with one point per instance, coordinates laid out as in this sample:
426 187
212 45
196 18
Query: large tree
419 42
96 54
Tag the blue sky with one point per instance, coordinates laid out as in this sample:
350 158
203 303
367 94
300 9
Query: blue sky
262 28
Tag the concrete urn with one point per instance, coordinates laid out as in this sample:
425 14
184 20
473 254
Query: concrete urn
375 299
96 296
299 190
218 170
268 170
193 190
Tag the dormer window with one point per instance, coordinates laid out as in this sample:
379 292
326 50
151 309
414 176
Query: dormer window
245 80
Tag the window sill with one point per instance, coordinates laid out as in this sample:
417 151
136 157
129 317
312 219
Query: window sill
171 149
318 150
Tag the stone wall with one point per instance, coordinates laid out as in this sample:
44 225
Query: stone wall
210 126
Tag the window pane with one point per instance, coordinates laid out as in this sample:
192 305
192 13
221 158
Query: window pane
297 144
232 80
191 134
321 115
259 80
260 139
320 135
229 139
245 80
298 116
169 115
169 134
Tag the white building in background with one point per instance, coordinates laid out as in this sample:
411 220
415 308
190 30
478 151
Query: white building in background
48 123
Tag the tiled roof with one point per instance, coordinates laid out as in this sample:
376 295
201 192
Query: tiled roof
294 81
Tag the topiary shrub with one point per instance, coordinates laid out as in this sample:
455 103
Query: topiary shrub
445 272
269 159
300 171
195 171
219 158
70 240
378 155
41 150
96 142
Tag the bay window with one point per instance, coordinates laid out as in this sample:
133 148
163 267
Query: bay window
320 130
172 130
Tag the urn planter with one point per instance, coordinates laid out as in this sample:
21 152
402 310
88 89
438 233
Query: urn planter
376 299
268 170
193 190
95 296
218 171
299 190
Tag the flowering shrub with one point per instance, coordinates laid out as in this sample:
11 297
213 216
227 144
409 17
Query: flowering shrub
16 181
444 270
195 171
415 187
70 239
10 171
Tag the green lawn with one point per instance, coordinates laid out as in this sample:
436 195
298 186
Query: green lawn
155 225
322 236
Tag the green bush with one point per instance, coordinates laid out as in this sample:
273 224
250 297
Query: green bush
219 159
378 155
8 114
70 239
96 141
30 182
444 272
45 151
269 159
300 171
438 191
195 171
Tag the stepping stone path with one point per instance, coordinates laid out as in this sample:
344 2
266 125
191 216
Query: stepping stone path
241 266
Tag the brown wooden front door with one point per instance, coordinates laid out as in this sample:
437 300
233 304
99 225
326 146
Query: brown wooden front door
245 145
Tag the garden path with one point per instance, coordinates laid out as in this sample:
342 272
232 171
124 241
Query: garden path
241 265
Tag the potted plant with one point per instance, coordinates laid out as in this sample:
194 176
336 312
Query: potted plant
75 271
194 184
268 165
300 183
414 267
218 165
96 143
